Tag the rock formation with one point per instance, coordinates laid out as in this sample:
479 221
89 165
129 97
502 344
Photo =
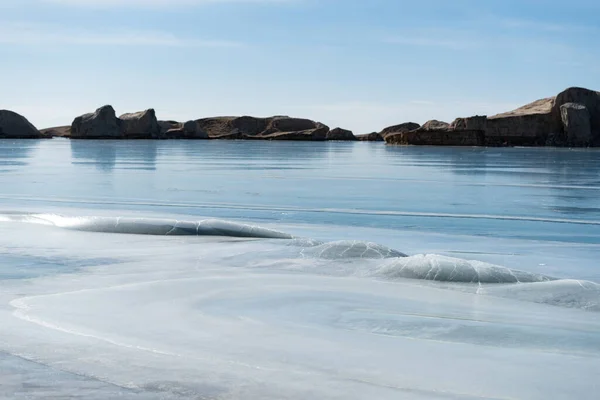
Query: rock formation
340 134
405 127
572 118
140 125
58 131
168 125
461 132
370 137
273 128
576 121
104 124
16 126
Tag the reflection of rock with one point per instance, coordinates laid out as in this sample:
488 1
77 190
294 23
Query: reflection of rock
106 154
570 118
141 124
102 124
340 134
102 154
576 121
370 137
16 153
13 125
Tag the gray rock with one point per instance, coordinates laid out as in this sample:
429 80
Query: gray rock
434 125
140 125
168 125
370 137
13 125
405 127
191 130
588 98
273 128
576 122
475 123
102 124
57 131
340 134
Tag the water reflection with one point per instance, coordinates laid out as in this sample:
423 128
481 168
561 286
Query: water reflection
571 177
107 155
16 153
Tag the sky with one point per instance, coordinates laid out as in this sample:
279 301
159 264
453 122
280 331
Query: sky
362 65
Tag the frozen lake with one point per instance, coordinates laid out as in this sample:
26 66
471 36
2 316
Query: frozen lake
229 269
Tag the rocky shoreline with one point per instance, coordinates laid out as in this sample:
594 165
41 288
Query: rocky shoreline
570 119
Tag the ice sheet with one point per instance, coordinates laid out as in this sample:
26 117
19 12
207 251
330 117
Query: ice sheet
225 317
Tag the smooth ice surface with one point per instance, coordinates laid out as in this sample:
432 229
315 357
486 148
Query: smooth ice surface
216 270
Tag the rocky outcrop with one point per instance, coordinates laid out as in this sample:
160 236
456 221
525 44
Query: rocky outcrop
169 125
58 131
273 128
530 125
475 123
340 134
370 137
434 125
187 130
405 127
585 97
576 122
572 118
438 133
140 125
16 126
102 124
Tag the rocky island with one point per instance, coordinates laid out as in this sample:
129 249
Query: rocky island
572 118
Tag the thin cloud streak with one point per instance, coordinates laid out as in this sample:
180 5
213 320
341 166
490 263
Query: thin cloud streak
30 34
153 3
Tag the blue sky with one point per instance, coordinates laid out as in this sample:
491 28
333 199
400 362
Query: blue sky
362 65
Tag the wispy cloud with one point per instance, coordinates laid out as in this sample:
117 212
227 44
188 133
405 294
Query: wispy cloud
33 34
151 3
543 26
425 41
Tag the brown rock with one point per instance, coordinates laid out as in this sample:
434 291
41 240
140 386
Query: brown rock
370 137
16 126
475 123
434 125
438 133
530 125
576 122
437 137
102 124
175 133
140 125
405 127
274 128
340 134
168 125
59 131
588 98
